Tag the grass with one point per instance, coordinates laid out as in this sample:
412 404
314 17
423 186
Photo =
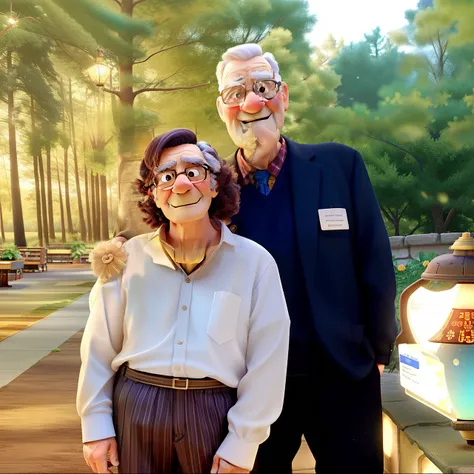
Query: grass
47 309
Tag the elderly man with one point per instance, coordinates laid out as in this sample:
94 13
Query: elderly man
313 208
180 349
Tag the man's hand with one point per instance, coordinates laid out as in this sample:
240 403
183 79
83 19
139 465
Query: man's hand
221 465
381 368
95 454
118 239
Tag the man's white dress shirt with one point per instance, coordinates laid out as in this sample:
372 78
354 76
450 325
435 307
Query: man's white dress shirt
227 320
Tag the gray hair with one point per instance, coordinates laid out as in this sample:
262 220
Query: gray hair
244 52
212 158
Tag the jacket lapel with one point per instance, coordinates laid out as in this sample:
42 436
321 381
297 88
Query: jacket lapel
305 177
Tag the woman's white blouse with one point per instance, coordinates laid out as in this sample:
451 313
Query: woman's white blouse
228 320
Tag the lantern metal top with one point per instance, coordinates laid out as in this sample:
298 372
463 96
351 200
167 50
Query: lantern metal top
455 267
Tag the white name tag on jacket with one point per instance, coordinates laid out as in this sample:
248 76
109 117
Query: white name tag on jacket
333 219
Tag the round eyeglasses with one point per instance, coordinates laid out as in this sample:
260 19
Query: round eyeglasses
235 95
165 179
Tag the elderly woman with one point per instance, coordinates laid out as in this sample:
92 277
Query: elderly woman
185 350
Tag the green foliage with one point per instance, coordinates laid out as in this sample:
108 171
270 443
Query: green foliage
11 253
78 248
364 68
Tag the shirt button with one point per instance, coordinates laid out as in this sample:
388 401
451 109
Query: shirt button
188 280
184 308
180 342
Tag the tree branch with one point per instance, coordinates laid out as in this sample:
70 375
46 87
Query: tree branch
403 210
186 43
117 93
396 146
118 3
416 227
168 89
386 213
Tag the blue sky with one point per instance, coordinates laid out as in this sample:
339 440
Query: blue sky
350 19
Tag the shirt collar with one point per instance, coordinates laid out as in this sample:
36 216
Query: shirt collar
156 246
274 167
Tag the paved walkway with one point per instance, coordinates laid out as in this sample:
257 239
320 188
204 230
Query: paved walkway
40 294
39 366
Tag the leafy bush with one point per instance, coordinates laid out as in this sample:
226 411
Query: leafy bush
78 248
11 253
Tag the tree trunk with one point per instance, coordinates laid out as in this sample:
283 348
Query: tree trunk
440 224
93 208
88 208
97 205
61 206
86 178
43 199
2 228
70 228
17 210
128 216
36 173
104 226
50 193
38 202
111 210
82 222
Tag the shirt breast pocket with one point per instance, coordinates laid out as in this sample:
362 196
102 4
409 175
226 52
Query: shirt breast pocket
222 323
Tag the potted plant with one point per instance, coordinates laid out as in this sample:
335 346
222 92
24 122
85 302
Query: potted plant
11 253
78 248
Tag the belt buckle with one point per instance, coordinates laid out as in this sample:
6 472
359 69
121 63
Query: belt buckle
173 384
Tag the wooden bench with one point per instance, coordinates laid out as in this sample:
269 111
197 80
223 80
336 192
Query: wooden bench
35 258
84 258
57 255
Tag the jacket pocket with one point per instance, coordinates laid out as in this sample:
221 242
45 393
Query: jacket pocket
222 323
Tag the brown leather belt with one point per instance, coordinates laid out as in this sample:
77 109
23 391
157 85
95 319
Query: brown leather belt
171 382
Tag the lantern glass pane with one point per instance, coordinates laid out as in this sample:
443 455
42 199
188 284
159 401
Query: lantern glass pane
99 73
427 311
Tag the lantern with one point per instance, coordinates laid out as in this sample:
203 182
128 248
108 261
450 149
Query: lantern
99 72
436 342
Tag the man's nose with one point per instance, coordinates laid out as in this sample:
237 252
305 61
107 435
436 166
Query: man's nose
252 103
182 184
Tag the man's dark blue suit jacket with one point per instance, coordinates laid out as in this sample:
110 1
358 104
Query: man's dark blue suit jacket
349 273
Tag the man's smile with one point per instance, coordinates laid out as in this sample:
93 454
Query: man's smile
184 205
256 120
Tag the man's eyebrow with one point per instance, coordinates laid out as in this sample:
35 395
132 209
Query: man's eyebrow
195 160
165 166
234 82
261 74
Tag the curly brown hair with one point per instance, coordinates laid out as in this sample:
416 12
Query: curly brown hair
223 206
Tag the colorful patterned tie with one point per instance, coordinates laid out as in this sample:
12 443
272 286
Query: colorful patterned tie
261 178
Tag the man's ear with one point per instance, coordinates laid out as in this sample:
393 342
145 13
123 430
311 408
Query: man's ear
286 95
214 192
220 107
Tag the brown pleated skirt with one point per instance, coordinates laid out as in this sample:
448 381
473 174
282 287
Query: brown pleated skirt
162 430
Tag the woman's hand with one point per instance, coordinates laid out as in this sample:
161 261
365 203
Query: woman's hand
220 465
95 454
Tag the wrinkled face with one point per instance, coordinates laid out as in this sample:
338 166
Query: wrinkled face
255 124
183 185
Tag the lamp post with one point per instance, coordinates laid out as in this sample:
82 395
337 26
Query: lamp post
436 342
99 72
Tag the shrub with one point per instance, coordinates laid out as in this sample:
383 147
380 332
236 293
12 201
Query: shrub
11 253
78 248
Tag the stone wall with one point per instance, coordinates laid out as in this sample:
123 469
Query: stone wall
409 247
